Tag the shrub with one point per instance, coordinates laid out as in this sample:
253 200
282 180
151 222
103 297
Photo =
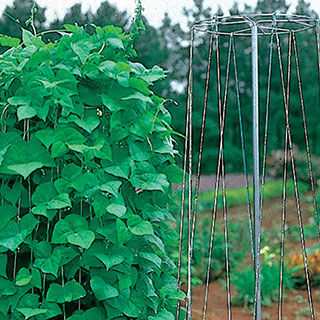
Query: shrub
243 280
275 164
86 161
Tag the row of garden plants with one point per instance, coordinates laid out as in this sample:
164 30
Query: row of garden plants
240 256
86 161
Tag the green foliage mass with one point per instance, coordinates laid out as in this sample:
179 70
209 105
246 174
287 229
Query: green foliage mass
168 45
86 162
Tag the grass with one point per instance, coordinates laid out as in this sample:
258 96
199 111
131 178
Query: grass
238 196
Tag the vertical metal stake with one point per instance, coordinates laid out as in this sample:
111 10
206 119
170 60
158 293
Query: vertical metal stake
256 173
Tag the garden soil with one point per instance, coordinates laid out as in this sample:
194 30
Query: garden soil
292 309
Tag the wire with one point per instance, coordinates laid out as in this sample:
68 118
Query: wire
222 115
296 191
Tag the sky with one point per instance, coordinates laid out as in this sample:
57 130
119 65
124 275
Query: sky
154 9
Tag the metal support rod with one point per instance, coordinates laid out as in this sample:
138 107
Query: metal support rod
256 173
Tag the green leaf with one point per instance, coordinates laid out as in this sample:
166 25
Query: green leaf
151 257
31 312
24 169
45 136
101 289
138 151
117 209
46 198
162 315
88 123
173 173
111 187
61 231
155 74
67 254
112 104
140 85
138 96
125 281
26 112
68 135
7 213
58 149
126 306
95 313
109 67
115 43
44 193
73 229
53 309
123 79
154 181
70 292
73 177
119 168
123 234
110 29
152 238
27 36
72 28
36 278
12 194
77 317
23 158
3 153
89 96
82 238
123 66
19 100
14 234
23 277
100 204
142 228
46 260
9 42
82 54
3 265
110 260
27 224
59 202
6 288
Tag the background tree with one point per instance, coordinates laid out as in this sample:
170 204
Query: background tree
14 17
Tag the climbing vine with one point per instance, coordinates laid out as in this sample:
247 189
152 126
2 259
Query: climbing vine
86 162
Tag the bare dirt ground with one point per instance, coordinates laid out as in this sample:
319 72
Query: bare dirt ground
233 180
295 306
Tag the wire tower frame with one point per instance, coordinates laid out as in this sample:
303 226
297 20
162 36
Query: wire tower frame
254 26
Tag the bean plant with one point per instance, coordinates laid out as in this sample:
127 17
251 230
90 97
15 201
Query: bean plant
86 161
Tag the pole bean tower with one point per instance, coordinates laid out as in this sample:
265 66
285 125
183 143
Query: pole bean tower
281 31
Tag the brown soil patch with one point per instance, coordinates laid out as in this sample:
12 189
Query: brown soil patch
293 308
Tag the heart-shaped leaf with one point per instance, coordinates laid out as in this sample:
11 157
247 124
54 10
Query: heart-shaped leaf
82 238
71 291
89 123
110 260
101 289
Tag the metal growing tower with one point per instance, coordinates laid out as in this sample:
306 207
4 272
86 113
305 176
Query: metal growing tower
275 27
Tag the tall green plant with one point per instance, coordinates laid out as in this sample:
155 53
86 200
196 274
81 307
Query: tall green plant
86 161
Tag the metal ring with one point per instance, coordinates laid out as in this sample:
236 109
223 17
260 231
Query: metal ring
284 23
